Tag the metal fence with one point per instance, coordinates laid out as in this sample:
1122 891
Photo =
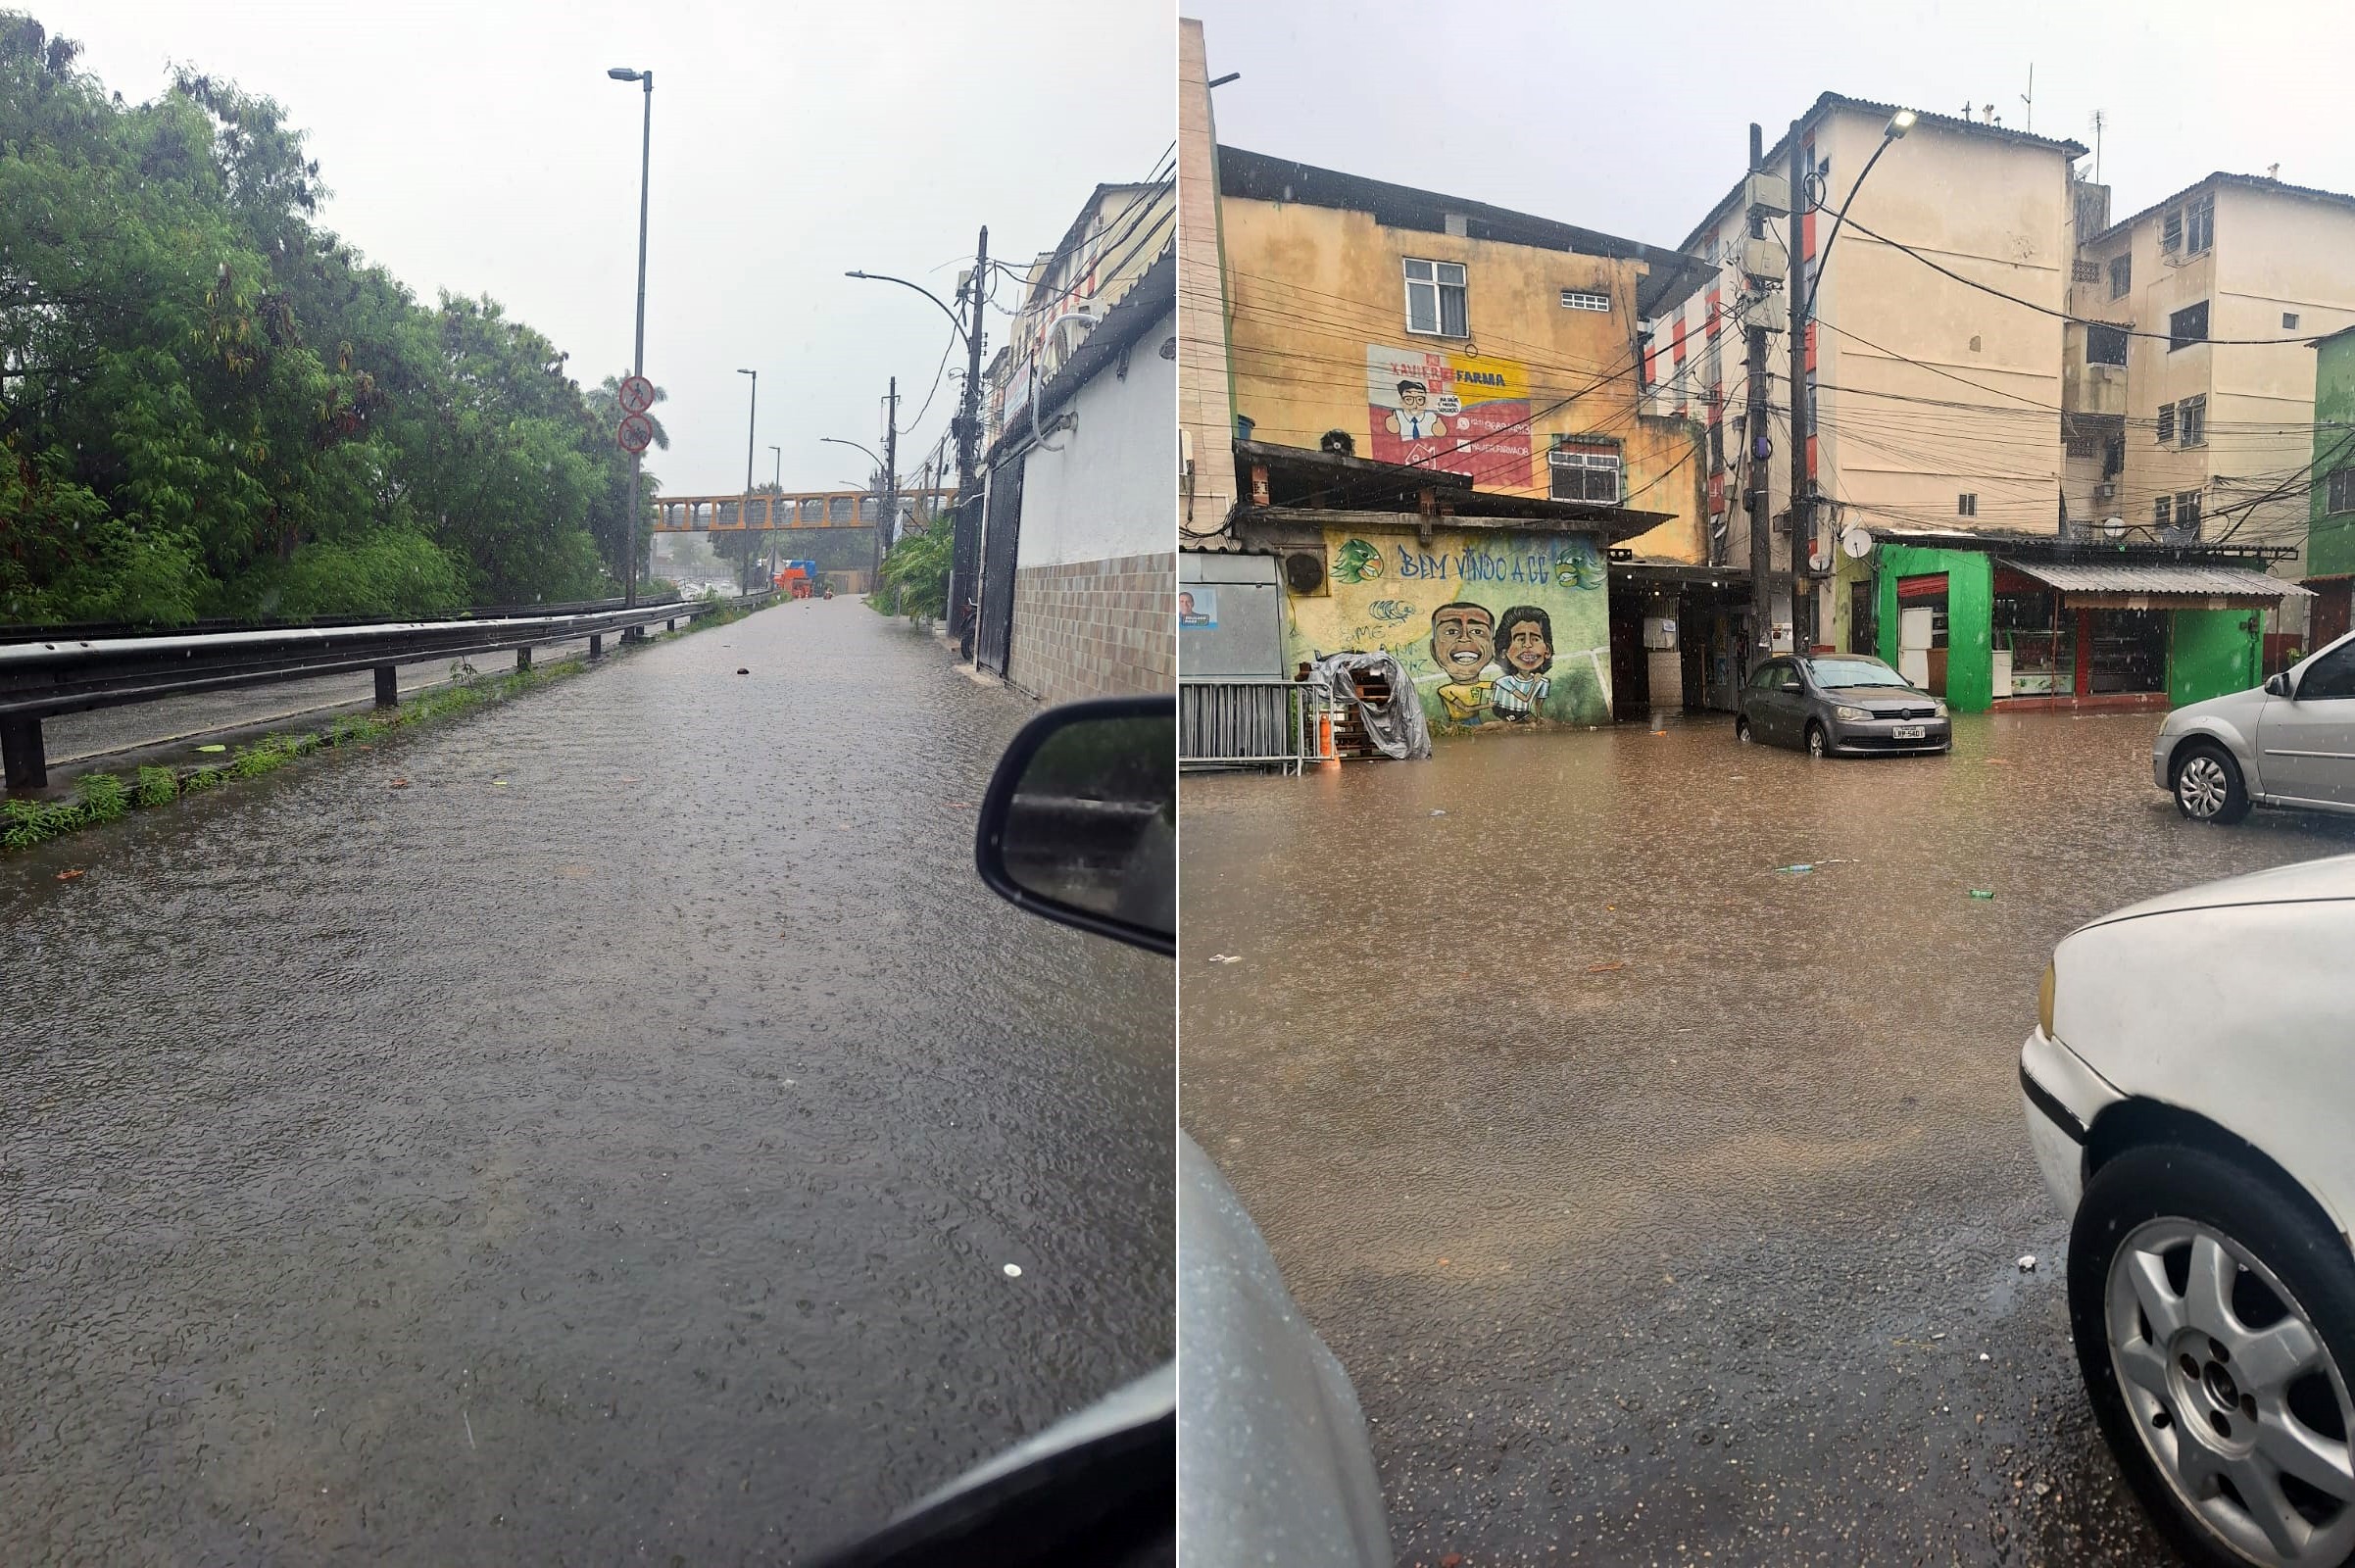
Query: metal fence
1276 724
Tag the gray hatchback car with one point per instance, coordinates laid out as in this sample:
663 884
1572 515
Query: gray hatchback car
1840 703
2291 742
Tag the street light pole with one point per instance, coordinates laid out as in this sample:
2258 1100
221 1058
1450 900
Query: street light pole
1802 393
776 481
751 415
890 521
637 460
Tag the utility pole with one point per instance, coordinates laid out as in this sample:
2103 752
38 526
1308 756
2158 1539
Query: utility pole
1753 437
889 524
965 550
1802 499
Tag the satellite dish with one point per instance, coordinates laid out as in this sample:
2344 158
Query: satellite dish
2113 527
1857 543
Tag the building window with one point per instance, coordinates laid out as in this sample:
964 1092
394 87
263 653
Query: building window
2290 320
2166 421
2186 509
2341 496
2105 345
2113 456
2191 422
2188 326
2171 229
2200 225
2121 274
1585 469
1435 298
1579 299
2162 511
2084 271
1966 506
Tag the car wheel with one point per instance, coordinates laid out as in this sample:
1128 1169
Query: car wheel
2208 787
1741 731
1818 743
2215 1320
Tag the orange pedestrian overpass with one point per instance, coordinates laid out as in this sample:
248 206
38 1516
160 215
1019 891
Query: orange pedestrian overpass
764 513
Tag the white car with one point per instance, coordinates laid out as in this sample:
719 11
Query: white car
2191 1095
2291 742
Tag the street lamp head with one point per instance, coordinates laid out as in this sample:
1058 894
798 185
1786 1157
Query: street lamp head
741 371
1899 123
622 74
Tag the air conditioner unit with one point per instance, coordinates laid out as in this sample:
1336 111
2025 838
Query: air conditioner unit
2105 492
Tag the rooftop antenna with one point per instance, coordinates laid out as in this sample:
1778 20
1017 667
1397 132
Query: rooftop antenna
2099 120
2273 170
2030 97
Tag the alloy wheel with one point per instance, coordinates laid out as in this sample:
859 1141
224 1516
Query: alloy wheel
2234 1394
1815 740
2202 787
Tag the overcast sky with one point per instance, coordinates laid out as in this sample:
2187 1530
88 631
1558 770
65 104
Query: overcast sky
480 148
1635 120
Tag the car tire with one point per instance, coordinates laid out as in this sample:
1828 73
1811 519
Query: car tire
2168 1394
1741 731
1819 741
2208 786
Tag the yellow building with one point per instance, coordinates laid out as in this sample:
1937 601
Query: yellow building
1438 401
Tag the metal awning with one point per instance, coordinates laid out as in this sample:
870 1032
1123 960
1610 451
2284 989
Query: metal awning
2181 585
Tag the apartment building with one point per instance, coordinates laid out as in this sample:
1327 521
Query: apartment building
2190 414
1935 355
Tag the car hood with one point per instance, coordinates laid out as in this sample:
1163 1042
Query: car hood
2234 706
2306 882
1879 695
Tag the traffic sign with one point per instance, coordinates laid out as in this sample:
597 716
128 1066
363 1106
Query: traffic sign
637 394
636 433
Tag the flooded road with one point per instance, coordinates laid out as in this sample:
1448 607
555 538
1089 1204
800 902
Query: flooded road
610 1146
1665 1206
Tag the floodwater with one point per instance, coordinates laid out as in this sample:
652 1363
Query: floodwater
1665 1206
609 1146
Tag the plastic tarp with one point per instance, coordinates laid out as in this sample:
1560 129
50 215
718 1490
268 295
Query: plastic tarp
1397 726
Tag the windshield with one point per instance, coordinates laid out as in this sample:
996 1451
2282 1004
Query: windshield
1843 672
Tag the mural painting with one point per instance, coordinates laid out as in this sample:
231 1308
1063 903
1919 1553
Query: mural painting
1497 629
1460 413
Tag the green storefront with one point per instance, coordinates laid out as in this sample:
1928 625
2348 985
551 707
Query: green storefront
2013 626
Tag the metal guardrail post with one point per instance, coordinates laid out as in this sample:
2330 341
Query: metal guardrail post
388 686
523 657
596 645
21 759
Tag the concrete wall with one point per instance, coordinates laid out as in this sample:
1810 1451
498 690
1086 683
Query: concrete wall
1206 417
1386 591
1319 341
1094 566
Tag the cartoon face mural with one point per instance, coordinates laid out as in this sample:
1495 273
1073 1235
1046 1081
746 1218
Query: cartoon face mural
1496 628
1525 648
1463 639
1414 421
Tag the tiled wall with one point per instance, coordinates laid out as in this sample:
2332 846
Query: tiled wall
1096 628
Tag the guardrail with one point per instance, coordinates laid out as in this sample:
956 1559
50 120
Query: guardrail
52 675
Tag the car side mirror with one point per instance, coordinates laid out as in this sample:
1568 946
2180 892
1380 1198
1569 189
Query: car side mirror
1080 821
2276 686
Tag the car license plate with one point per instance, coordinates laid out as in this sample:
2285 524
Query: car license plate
1908 732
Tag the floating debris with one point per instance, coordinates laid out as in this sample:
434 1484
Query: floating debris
2028 1262
1013 1271
1982 892
74 875
214 747
1226 957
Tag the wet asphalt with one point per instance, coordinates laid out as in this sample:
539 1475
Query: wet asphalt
1666 1208
608 1147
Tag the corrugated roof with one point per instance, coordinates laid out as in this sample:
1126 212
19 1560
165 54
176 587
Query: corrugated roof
2256 183
2165 578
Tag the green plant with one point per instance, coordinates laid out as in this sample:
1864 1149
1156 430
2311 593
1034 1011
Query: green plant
103 798
158 786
